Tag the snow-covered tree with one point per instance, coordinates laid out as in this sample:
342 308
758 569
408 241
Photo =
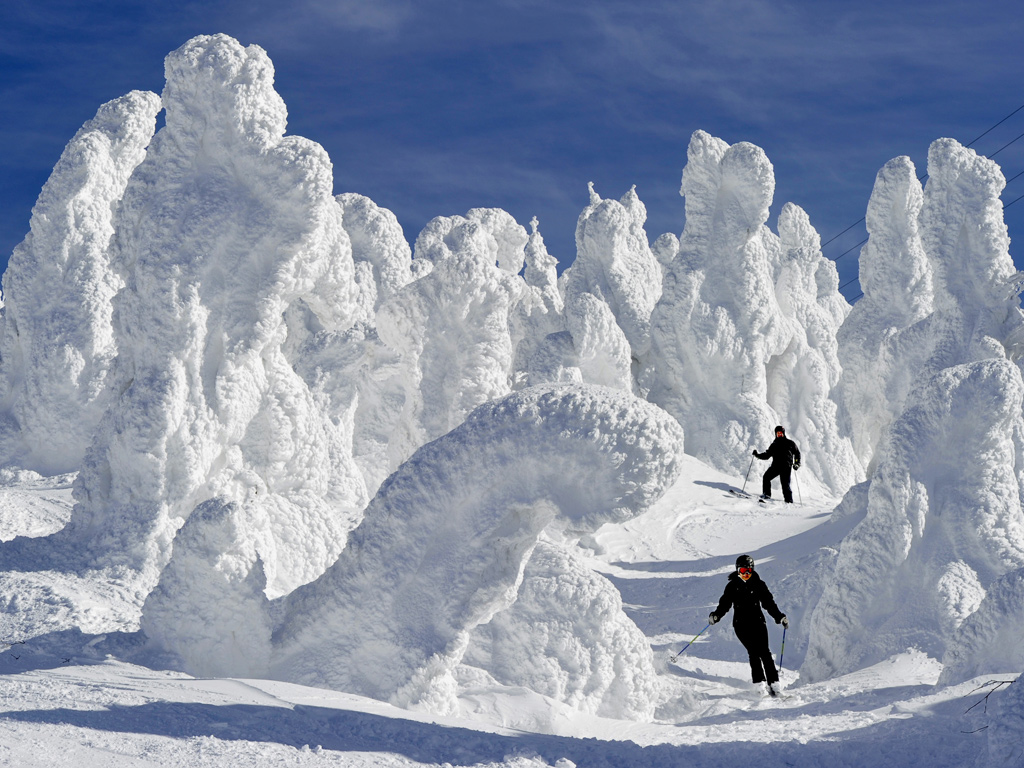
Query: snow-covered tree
57 343
944 515
224 227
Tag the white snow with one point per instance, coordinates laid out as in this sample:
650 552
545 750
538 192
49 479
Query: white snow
278 488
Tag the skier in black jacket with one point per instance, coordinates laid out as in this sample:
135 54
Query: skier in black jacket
785 456
746 594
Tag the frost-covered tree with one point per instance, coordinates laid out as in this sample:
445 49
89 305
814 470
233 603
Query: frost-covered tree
882 343
741 338
944 515
538 322
225 227
614 264
57 343
801 380
451 326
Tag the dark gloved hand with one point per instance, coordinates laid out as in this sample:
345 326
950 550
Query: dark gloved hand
796 464
784 622
754 452
712 619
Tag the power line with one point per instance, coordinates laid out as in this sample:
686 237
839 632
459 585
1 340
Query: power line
1014 201
924 176
1018 109
858 221
1006 145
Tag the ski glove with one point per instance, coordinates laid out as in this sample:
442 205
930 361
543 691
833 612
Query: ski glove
784 622
754 452
712 619
796 464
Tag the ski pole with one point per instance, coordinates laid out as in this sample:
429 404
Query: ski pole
675 656
783 651
745 480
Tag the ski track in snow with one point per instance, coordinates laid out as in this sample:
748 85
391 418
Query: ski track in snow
68 698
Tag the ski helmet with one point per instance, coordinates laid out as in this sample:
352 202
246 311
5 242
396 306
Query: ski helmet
781 429
744 561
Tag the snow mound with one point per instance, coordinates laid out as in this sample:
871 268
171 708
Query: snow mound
57 343
209 610
567 637
443 544
989 639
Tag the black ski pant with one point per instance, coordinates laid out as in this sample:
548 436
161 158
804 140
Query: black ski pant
754 637
783 473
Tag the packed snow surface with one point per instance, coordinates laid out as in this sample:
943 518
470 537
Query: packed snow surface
73 698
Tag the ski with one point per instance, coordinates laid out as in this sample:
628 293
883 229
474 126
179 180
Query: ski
740 494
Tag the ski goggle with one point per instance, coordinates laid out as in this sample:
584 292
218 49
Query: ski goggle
746 571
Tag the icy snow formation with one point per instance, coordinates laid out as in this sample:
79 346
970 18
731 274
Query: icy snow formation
801 380
944 515
443 545
451 326
943 521
56 337
741 339
567 637
989 640
225 228
614 264
209 609
883 344
1006 730
541 354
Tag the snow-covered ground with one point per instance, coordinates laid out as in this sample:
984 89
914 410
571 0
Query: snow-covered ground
69 698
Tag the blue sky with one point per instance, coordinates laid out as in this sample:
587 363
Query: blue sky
432 108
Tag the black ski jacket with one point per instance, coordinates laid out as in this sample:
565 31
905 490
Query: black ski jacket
747 599
783 453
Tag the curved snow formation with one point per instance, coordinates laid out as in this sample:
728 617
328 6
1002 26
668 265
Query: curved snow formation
443 544
944 516
567 637
988 642
740 339
57 343
882 344
228 235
